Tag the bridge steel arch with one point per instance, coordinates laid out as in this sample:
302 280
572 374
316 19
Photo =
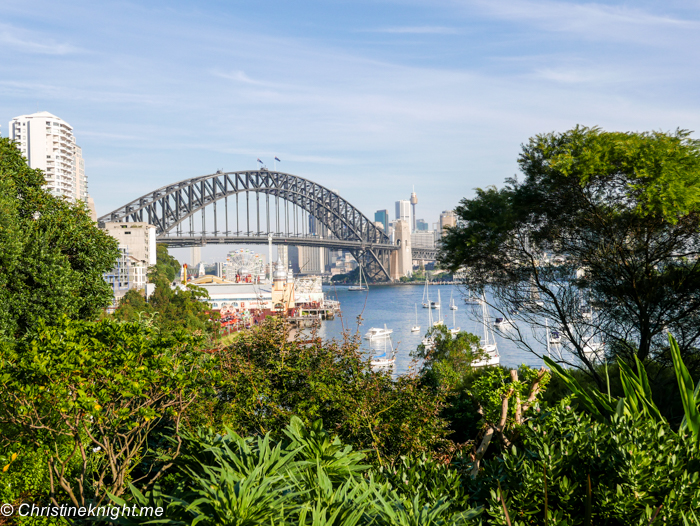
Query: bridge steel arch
169 206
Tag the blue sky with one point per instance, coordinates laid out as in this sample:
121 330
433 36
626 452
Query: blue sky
366 97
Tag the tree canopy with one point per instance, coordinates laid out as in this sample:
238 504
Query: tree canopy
53 256
620 211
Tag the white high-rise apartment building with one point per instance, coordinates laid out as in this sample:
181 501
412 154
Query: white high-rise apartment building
47 142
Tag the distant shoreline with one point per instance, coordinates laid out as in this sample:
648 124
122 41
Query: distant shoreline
397 284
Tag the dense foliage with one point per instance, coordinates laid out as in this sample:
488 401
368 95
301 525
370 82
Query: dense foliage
622 210
304 477
52 256
88 394
169 309
272 377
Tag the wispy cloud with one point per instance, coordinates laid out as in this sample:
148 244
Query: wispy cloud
415 30
571 76
592 20
28 42
242 78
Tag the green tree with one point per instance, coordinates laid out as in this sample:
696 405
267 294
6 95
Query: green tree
622 212
52 255
88 395
167 264
268 377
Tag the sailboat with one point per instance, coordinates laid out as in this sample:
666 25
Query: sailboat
471 299
553 336
534 302
436 304
426 295
429 341
453 305
359 287
384 359
454 329
416 327
488 344
553 340
439 320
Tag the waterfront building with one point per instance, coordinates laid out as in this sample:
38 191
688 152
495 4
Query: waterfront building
48 144
382 216
240 299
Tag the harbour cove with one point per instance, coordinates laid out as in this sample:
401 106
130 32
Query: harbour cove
396 307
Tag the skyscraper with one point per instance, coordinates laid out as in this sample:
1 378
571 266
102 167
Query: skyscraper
403 211
47 142
447 219
382 216
414 202
421 225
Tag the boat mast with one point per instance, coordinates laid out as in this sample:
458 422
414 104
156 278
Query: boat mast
484 320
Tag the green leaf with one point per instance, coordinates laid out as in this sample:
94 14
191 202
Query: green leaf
685 386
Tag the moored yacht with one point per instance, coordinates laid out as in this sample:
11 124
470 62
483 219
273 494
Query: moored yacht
488 344
375 333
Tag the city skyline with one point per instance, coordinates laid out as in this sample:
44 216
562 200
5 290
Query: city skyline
378 95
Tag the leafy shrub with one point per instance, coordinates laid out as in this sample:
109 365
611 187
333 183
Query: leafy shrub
635 465
309 477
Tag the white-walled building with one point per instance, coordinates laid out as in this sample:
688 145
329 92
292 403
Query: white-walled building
137 244
47 142
139 237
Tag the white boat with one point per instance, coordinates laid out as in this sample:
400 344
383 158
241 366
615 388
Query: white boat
428 343
472 300
554 337
416 327
488 344
454 329
426 295
453 306
359 287
383 360
553 340
502 324
375 333
439 320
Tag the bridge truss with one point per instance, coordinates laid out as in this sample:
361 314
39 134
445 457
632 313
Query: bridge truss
243 207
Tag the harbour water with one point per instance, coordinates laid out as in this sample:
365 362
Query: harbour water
395 307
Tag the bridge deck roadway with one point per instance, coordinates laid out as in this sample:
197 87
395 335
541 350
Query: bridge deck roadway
176 241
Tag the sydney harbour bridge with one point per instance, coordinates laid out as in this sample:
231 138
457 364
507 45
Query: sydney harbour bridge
245 207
